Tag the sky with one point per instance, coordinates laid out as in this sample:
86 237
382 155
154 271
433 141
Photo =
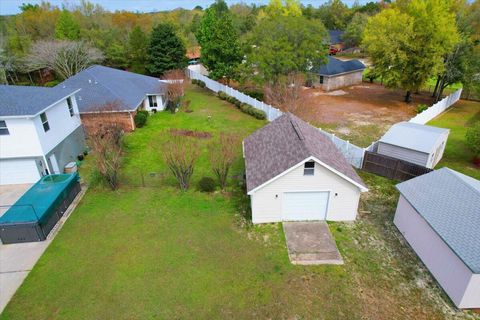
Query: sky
12 6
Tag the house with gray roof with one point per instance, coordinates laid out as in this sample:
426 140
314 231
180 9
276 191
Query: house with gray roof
112 95
295 173
336 74
438 214
40 132
416 143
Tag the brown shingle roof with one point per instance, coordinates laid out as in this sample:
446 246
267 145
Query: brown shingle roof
286 142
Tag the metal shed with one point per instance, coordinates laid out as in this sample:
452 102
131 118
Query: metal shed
415 143
439 215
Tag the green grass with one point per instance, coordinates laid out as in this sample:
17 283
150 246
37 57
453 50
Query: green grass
159 253
458 118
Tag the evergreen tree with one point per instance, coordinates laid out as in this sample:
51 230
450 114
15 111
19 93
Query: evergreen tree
218 39
166 51
67 28
137 49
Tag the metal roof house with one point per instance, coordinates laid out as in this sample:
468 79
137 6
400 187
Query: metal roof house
40 132
439 215
295 173
112 95
415 143
337 74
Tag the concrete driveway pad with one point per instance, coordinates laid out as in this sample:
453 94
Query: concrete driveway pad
311 243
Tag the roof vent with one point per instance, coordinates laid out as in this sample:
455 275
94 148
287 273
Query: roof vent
63 86
79 97
89 81
297 130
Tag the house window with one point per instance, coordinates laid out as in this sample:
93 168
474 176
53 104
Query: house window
70 106
321 79
309 168
45 124
152 101
3 128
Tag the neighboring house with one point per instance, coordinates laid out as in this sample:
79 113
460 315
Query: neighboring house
193 55
40 132
336 41
113 96
439 215
336 74
294 172
415 143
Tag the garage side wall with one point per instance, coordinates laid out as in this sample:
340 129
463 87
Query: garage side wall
450 272
339 81
471 298
267 207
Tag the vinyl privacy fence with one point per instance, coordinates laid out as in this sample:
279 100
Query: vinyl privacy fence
437 108
271 112
352 153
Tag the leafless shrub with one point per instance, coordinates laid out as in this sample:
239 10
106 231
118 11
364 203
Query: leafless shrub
222 155
286 93
107 146
176 83
66 58
181 154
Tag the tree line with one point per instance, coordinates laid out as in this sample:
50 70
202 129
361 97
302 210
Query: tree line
271 47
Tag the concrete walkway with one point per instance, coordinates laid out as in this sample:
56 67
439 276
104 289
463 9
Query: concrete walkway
311 243
17 260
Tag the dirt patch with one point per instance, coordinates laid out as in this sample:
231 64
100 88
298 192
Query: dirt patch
191 133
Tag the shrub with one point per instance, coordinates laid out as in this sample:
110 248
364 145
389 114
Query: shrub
199 83
222 95
206 184
472 138
421 107
145 112
140 119
259 114
254 93
52 83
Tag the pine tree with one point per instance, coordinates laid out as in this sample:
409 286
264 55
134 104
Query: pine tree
166 51
137 49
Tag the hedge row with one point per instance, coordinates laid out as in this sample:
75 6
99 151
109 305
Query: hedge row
199 83
245 108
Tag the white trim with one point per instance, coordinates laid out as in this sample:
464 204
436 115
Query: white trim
28 116
362 188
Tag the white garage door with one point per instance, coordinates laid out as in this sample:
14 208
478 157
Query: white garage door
303 206
17 171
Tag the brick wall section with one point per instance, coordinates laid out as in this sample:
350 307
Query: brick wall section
94 121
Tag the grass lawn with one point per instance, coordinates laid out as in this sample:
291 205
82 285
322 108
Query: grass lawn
158 253
458 118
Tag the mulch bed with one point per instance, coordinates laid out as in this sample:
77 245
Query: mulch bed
191 133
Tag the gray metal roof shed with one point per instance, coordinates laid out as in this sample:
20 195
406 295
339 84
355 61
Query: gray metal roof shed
414 136
450 203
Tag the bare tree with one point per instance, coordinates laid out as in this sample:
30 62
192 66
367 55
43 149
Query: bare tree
181 154
66 58
107 146
286 93
222 155
176 83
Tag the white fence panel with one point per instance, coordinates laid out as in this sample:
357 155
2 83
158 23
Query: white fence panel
437 108
351 152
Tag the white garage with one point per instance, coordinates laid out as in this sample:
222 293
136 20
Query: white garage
18 171
305 205
295 173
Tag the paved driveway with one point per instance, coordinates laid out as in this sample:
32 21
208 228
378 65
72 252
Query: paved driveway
9 195
311 243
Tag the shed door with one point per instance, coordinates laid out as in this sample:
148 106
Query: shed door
304 206
18 171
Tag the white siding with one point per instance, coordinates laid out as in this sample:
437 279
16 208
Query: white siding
61 125
160 103
447 268
397 152
22 140
437 154
343 202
